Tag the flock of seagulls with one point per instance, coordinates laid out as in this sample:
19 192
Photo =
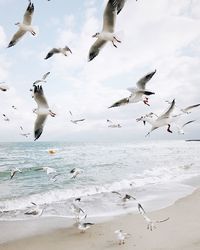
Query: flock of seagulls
138 94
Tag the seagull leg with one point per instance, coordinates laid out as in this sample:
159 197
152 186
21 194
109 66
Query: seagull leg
117 40
51 113
168 128
33 32
114 44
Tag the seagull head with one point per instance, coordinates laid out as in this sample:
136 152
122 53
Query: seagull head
96 35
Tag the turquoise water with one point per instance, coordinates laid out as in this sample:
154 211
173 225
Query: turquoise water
152 171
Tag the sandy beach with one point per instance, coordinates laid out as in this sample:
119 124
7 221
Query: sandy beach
181 231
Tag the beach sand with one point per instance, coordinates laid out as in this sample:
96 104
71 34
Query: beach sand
181 231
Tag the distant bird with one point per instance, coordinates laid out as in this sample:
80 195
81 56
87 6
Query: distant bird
113 8
137 94
42 80
14 171
121 236
3 87
162 120
76 121
113 125
83 226
25 26
14 107
42 111
35 211
124 197
24 134
150 224
6 119
75 172
180 128
187 109
63 51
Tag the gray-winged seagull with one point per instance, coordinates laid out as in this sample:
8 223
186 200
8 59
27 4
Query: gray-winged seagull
63 51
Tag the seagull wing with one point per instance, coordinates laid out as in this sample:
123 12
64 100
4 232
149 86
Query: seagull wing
191 107
95 49
115 192
39 97
141 84
12 174
120 6
52 52
45 76
160 221
141 209
80 120
28 14
17 36
187 123
72 171
168 112
109 16
39 125
120 103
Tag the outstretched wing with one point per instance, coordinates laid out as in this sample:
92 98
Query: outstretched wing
51 53
141 84
168 112
28 14
95 49
39 125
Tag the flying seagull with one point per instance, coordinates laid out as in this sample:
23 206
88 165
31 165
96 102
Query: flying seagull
124 197
14 171
187 109
13 106
160 121
150 224
180 128
75 172
121 236
24 134
113 8
42 111
3 87
137 94
42 80
76 121
112 125
35 211
63 51
25 26
6 119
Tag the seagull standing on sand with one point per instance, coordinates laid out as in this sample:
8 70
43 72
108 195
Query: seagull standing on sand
83 226
3 87
137 94
25 26
14 171
121 236
160 121
42 80
150 224
63 51
42 111
113 8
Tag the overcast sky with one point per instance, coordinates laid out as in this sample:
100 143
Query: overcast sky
156 34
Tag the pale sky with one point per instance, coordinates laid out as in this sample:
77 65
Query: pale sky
156 34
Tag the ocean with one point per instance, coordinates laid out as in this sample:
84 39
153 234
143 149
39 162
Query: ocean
156 173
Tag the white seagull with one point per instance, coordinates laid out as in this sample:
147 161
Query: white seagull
42 80
3 86
150 224
187 109
121 236
160 121
42 111
113 125
6 119
14 171
137 94
75 172
76 121
25 26
24 134
63 51
83 226
180 128
113 8
35 211
124 197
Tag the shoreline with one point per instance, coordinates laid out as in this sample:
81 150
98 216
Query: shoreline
179 232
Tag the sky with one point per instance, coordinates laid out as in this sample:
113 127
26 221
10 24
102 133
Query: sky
156 34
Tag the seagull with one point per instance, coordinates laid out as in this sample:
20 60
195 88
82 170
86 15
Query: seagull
6 119
137 94
121 236
24 134
35 211
113 8
25 26
125 197
3 87
160 121
42 111
14 107
42 80
13 172
150 224
187 109
77 120
49 170
113 125
77 212
75 172
83 226
180 128
63 51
